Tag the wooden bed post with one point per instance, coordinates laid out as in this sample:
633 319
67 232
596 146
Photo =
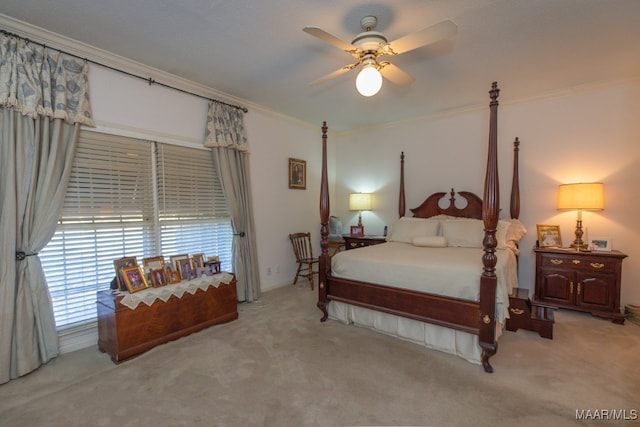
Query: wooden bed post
401 200
324 259
515 183
490 212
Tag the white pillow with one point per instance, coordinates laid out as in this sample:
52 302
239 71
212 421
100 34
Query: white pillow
464 233
443 216
430 241
404 231
469 233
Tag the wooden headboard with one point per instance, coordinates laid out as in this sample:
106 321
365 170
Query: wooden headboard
431 207
473 209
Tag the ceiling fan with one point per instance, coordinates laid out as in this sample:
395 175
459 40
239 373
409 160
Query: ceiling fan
369 46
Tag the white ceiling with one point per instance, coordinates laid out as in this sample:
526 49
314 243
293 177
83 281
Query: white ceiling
256 50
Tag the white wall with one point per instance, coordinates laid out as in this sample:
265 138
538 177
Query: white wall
130 104
591 135
278 210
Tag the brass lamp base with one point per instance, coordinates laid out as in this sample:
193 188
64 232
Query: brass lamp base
578 244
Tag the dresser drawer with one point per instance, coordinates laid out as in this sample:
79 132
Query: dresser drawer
582 263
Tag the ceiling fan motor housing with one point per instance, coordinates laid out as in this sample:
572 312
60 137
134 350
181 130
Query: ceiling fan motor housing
369 41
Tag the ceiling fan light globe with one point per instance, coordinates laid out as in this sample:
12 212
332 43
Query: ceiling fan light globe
369 81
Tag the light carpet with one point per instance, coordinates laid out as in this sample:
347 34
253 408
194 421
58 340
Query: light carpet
278 365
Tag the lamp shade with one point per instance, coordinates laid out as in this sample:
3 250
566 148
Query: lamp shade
581 196
369 80
359 202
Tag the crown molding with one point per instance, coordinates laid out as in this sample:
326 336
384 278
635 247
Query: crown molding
109 59
466 109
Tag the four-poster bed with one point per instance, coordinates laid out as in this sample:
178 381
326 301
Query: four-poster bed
476 312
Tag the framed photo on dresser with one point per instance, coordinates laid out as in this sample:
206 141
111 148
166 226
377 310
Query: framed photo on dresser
600 245
158 277
121 263
549 236
357 231
152 263
134 279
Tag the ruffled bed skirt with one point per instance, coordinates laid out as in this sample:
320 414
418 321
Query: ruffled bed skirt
461 344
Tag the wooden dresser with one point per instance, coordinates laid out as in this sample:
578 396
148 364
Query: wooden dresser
583 281
124 332
359 242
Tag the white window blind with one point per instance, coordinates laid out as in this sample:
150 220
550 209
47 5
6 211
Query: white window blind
113 209
192 209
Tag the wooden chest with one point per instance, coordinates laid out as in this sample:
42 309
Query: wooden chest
124 332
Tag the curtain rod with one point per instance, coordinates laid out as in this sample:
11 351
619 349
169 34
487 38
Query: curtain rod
148 80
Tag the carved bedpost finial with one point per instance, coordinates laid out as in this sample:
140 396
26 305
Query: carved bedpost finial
493 94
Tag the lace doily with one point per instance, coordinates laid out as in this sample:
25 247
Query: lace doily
150 295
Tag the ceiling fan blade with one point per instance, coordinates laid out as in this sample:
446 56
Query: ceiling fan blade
395 74
332 40
432 34
336 73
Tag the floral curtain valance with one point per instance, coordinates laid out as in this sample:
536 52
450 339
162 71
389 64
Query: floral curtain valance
39 81
225 127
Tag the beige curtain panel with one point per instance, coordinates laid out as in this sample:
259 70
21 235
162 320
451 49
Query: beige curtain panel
225 134
43 100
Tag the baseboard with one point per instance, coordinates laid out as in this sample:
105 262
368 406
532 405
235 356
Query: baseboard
273 286
78 337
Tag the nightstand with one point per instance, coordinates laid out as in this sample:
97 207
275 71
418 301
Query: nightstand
359 242
582 281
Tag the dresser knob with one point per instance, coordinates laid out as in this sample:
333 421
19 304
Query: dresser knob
597 265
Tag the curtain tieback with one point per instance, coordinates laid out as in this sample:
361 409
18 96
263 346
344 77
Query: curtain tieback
20 255
241 234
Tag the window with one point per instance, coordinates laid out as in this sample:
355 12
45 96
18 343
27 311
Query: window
130 197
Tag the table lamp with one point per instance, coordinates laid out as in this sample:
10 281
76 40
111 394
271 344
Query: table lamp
580 196
360 202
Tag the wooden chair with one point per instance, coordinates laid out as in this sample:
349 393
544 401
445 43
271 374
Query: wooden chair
301 243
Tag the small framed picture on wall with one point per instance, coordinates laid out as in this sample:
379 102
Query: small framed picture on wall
297 174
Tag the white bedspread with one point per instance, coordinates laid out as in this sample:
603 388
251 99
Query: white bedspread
449 271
